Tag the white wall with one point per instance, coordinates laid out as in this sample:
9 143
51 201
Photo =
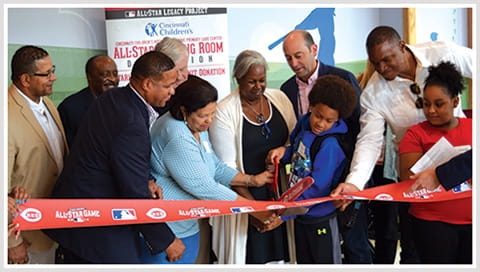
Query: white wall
62 27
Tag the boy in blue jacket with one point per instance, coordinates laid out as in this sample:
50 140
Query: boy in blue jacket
331 99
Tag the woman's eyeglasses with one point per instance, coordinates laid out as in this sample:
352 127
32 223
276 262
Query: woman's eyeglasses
415 89
266 131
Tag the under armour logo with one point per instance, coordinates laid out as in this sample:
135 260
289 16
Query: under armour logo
321 231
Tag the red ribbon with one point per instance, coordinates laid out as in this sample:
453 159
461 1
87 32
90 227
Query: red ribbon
70 213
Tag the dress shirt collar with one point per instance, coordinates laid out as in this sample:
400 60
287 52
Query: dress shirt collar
152 114
311 80
422 61
38 107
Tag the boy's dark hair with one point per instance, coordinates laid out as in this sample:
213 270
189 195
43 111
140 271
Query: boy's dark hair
193 94
446 76
334 92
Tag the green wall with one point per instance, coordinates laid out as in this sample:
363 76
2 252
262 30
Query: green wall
69 68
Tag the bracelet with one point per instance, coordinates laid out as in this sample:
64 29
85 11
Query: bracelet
247 180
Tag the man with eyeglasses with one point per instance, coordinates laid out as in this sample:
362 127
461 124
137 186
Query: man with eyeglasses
393 96
102 75
36 144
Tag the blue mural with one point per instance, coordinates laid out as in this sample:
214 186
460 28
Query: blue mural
321 19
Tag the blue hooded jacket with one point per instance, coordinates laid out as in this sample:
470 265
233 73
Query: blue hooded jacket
328 163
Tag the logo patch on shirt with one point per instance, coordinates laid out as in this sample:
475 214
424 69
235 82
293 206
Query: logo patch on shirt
124 214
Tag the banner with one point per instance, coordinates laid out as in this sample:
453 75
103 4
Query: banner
135 31
71 213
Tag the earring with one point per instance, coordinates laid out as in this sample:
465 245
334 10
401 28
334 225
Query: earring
185 120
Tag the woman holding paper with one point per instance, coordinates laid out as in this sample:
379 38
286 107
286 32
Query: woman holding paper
442 230
185 166
250 121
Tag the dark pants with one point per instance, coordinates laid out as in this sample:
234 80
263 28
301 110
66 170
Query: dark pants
356 247
390 218
317 240
443 243
385 226
385 222
409 254
65 256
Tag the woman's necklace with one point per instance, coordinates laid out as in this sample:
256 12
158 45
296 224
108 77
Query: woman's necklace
259 117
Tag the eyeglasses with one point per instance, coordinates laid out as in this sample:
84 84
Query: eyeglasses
266 131
48 74
415 89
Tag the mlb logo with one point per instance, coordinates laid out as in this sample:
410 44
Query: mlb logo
130 13
242 209
463 187
124 214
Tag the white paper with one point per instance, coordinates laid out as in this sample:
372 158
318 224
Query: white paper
441 152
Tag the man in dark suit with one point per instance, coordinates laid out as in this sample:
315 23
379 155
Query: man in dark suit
111 159
300 52
449 174
102 75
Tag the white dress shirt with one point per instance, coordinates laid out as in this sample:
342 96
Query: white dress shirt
393 102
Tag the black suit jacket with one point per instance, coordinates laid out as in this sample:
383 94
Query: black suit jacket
110 159
290 88
72 110
455 171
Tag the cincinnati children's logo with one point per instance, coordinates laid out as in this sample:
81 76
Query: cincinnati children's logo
77 214
31 215
156 213
164 29
124 214
199 212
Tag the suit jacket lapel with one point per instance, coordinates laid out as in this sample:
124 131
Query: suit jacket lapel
31 119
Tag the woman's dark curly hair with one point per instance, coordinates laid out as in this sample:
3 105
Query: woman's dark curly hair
445 75
336 93
193 94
